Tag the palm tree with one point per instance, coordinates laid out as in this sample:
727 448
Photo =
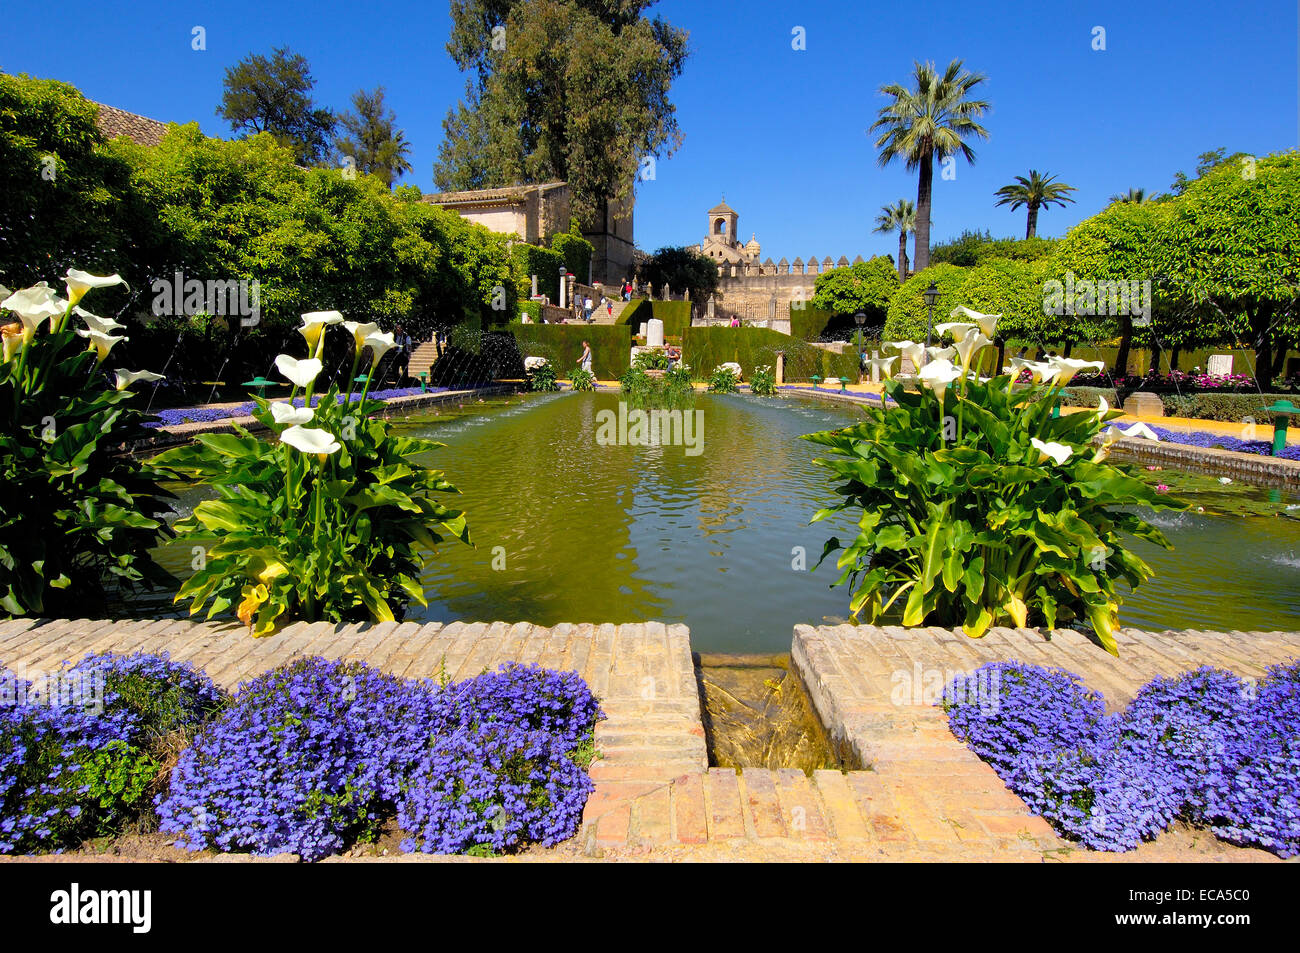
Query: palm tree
1136 196
900 216
932 119
1034 193
372 139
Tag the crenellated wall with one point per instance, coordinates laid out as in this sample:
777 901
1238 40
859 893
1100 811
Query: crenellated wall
757 291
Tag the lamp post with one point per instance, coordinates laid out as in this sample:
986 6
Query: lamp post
860 319
1283 410
931 295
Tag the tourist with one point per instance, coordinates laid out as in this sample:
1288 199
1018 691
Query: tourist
627 290
401 355
585 360
587 308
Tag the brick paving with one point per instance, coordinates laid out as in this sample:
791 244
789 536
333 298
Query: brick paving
920 795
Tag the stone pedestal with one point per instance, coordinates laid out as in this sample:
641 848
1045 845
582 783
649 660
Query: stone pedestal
780 368
654 333
1144 405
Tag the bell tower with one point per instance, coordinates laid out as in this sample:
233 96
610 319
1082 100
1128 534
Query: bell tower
723 220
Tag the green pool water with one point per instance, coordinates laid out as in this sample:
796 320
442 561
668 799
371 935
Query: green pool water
569 530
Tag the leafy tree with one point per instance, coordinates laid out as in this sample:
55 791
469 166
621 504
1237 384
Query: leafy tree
570 90
274 95
974 247
1205 162
934 118
1013 289
1231 244
1135 196
1035 192
681 269
575 249
866 286
908 314
900 217
371 139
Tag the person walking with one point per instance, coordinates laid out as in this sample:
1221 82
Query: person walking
401 355
585 360
587 308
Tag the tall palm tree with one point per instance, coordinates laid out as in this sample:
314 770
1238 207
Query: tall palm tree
934 118
1034 193
1136 196
900 216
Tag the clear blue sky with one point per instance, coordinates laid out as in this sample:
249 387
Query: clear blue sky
781 132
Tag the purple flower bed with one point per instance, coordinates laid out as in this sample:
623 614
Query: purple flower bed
317 754
75 751
1204 747
1198 438
204 414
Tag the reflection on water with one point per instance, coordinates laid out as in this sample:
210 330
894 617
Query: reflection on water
586 533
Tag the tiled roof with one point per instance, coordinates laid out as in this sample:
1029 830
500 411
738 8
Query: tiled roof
115 122
507 193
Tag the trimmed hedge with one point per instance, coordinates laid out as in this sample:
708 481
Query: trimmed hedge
705 348
542 262
676 315
808 323
1229 407
611 346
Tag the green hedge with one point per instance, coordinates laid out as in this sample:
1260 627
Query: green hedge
532 309
1229 407
808 323
1091 397
575 252
705 348
542 262
676 315
611 346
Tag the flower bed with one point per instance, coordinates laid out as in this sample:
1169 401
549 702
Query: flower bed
309 758
1197 438
205 414
1205 747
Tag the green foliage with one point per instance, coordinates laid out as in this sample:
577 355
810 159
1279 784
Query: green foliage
963 521
575 254
579 94
908 312
611 345
330 535
724 381
371 138
762 383
1235 408
671 391
541 379
273 95
582 380
117 777
651 361
545 263
681 269
974 247
532 309
808 323
866 286
1013 289
676 315
705 348
77 518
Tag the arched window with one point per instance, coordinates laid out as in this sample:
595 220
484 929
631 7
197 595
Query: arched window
720 227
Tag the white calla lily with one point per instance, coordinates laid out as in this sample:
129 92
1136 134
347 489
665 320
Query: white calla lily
987 323
12 335
1067 367
96 323
910 350
100 342
941 353
286 413
1103 408
361 331
314 324
956 328
1058 452
1140 430
309 440
882 365
79 282
301 372
972 341
34 306
380 343
125 379
938 374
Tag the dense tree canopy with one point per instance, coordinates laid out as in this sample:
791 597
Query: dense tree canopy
562 90
866 286
681 269
274 94
370 137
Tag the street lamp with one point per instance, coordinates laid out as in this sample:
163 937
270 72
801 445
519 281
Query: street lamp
860 319
931 295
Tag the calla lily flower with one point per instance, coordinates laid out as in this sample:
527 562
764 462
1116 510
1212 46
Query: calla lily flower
254 596
125 379
938 374
380 343
956 328
1067 367
79 282
96 323
310 440
972 341
941 353
1141 430
34 306
1103 408
1055 451
988 323
285 413
883 365
300 372
314 324
12 335
910 351
361 331
100 342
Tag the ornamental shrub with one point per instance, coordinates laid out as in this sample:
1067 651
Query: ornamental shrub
763 382
724 381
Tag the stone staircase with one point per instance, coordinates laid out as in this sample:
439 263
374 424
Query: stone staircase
599 316
422 358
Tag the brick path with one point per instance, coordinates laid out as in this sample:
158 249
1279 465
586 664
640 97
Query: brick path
925 795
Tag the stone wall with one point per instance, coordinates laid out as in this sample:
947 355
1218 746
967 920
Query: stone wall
747 290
